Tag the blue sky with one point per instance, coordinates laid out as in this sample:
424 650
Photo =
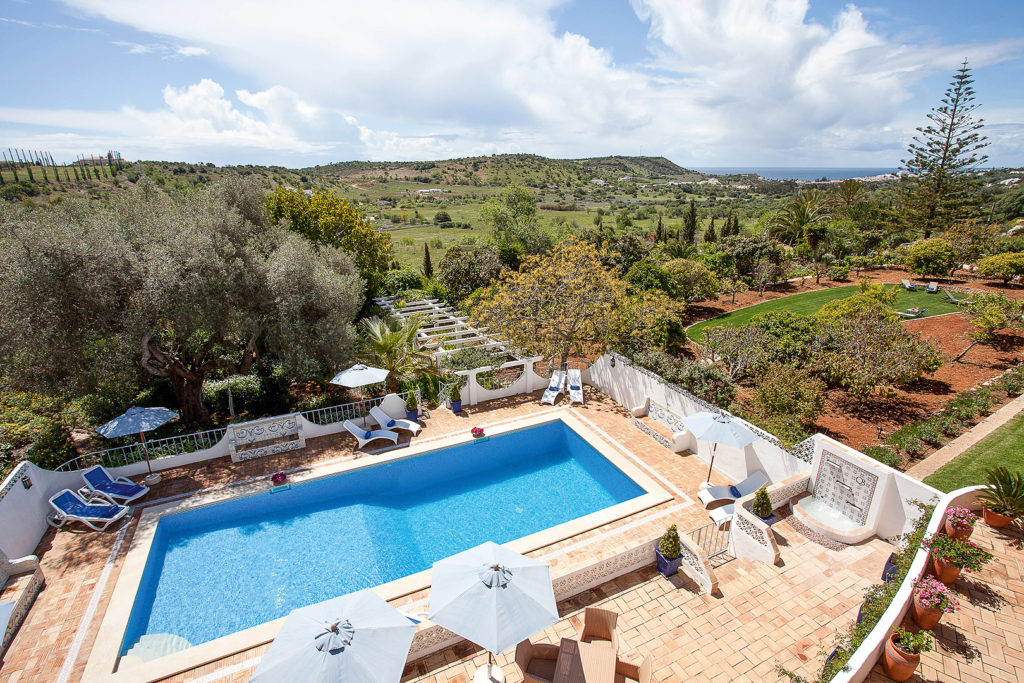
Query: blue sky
703 82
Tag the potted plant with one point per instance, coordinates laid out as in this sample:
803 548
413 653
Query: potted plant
455 398
950 556
412 410
903 652
762 506
1003 500
669 552
932 599
477 432
960 522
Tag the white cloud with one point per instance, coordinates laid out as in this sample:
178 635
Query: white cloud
751 81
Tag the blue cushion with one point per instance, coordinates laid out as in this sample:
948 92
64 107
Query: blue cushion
391 423
367 435
574 388
735 492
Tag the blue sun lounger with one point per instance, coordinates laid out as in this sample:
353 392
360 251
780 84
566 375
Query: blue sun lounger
122 489
69 507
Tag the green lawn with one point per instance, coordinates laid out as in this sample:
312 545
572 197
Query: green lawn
1001 447
811 302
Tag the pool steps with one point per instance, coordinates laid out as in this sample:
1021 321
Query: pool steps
154 645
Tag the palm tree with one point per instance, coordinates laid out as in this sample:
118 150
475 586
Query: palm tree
393 346
802 219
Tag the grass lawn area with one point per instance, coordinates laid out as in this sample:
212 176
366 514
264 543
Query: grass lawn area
1001 447
811 302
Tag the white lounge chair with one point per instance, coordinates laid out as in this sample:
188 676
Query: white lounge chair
911 315
100 481
365 436
907 286
555 387
388 422
954 299
723 515
717 494
69 507
575 386
932 287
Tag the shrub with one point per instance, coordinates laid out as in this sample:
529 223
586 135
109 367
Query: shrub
1012 381
911 642
785 428
1005 492
967 555
442 217
400 280
53 447
245 391
669 546
839 272
705 381
782 391
930 431
931 257
784 337
692 280
762 506
1002 266
908 440
455 394
647 276
886 456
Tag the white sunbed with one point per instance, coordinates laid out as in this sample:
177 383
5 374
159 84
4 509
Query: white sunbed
717 494
555 387
68 506
954 299
932 287
723 515
575 386
365 436
388 422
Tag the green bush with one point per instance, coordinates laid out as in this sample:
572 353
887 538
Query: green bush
53 447
24 416
1012 381
781 391
908 440
245 390
839 272
935 256
1002 266
670 546
705 381
762 506
930 431
785 428
397 281
886 456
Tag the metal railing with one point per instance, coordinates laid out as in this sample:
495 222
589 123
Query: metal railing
712 540
349 411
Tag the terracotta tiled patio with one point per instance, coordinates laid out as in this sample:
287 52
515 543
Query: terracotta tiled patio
763 615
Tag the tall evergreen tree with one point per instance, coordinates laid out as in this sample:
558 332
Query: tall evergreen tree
940 187
709 235
660 235
690 224
428 267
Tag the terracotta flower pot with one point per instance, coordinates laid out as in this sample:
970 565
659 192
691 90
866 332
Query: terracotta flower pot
924 616
994 519
958 533
944 571
899 665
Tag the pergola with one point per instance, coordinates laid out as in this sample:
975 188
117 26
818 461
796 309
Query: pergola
444 331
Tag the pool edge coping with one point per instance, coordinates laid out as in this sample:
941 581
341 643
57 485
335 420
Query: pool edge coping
104 661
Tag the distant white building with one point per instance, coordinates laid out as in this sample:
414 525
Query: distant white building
598 181
432 190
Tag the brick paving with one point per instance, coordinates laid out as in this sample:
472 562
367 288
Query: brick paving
763 614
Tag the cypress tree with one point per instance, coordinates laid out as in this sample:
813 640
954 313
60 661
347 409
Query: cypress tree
690 224
940 187
709 234
428 267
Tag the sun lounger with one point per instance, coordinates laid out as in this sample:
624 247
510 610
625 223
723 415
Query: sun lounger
69 507
555 387
717 494
575 386
365 436
911 314
121 489
723 515
388 422
907 286
953 298
932 287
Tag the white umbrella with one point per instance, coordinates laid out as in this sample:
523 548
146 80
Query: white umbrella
718 429
137 421
492 596
357 638
360 375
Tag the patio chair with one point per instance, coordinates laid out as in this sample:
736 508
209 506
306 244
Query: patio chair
365 436
953 298
722 516
388 422
715 496
907 286
575 386
932 287
69 507
599 627
911 315
627 671
121 489
536 661
555 387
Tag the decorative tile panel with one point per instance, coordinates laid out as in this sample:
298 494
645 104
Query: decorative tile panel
260 431
845 487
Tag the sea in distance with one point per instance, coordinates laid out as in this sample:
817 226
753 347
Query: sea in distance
796 172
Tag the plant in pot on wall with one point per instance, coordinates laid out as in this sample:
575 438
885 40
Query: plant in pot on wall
932 599
455 398
960 522
762 506
950 556
412 410
903 652
1003 500
669 552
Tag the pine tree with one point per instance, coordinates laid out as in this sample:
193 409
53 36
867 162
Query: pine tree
709 234
428 267
660 234
690 224
940 187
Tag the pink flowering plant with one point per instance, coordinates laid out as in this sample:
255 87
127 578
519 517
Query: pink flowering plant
961 518
278 478
935 595
967 555
477 431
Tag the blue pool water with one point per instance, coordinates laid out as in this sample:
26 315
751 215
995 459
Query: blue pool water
227 567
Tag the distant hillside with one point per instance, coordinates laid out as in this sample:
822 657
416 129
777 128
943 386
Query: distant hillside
501 169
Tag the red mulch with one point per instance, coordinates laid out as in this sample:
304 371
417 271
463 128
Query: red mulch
854 423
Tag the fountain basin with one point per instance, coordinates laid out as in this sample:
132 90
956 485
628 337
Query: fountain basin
820 517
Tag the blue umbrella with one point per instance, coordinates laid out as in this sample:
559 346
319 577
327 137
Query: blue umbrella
718 429
353 638
136 421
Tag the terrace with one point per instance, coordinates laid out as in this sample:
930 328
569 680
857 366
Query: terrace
758 614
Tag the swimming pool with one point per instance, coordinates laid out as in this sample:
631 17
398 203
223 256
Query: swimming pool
216 570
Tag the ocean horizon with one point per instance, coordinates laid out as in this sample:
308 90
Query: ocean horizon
798 172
